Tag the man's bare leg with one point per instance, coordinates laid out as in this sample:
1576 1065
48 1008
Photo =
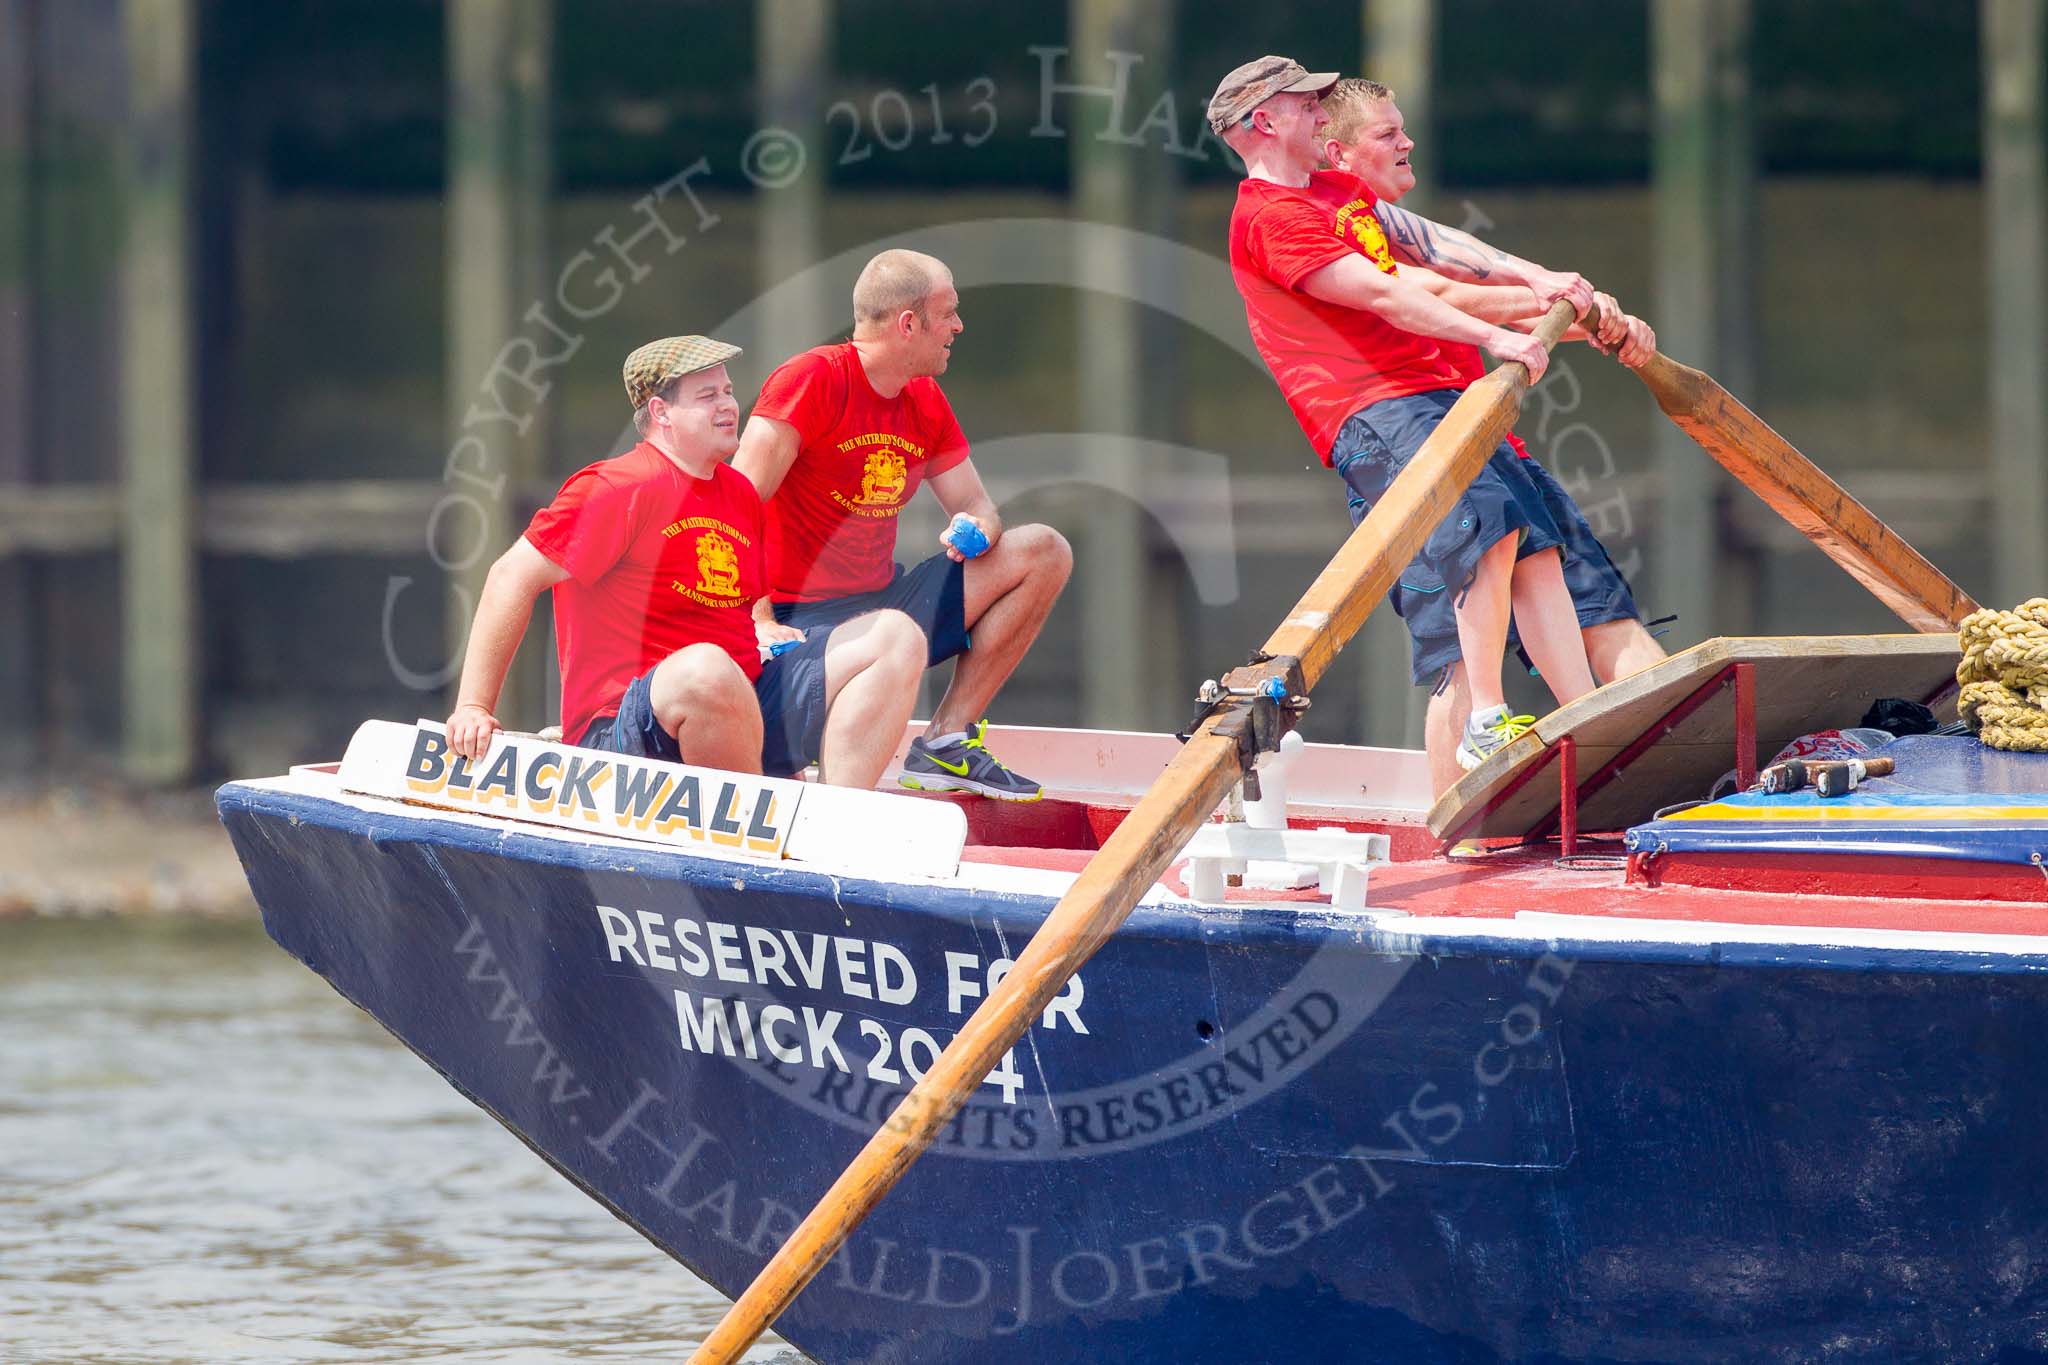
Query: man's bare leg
1549 626
1008 593
707 705
1483 622
1443 726
872 664
1614 649
1543 614
1618 648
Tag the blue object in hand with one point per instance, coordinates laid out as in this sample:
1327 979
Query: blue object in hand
779 647
965 535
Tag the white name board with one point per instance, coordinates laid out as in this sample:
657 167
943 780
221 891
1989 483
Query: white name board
699 810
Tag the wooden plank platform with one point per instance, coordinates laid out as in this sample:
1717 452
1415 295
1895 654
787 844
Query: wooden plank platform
1803 683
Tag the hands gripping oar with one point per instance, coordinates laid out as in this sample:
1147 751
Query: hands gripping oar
1216 755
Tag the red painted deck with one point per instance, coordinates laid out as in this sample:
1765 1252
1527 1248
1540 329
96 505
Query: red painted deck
1063 837
1502 884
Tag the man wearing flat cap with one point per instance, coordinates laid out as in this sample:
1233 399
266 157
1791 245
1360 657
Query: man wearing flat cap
655 560
1355 349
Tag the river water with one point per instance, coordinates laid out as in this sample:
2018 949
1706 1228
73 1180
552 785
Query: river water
208 1156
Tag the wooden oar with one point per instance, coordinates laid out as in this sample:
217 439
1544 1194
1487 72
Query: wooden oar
1816 506
1150 837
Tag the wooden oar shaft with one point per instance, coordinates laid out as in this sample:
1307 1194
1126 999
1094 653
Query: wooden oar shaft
1360 575
1132 858
1797 490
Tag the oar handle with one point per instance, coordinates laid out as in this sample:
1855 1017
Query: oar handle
1557 322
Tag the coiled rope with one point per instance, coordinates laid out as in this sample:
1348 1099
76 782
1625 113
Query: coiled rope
2004 676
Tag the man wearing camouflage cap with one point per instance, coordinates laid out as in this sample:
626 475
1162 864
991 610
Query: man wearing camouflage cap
655 561
1354 347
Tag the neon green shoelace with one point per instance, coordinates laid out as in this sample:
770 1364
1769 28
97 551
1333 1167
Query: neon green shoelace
974 742
1511 728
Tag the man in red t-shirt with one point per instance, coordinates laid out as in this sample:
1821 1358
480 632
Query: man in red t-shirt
838 443
1368 138
1355 348
655 560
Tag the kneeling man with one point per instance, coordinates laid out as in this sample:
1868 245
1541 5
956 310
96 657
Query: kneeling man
655 560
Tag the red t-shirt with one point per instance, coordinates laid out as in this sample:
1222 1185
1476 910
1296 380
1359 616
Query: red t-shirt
860 458
656 560
1330 360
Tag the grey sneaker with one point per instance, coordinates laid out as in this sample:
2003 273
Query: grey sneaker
1488 732
965 765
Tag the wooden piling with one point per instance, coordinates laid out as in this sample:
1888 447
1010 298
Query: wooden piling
499 176
1129 612
159 572
2016 258
793 40
1702 173
20 713
1400 53
1735 197
17 271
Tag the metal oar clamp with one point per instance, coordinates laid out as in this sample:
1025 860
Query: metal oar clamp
1263 699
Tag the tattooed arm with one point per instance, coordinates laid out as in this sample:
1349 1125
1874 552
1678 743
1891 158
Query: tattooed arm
1461 256
1629 339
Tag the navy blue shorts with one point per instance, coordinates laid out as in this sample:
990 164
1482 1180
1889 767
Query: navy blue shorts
1372 447
1599 592
791 690
931 593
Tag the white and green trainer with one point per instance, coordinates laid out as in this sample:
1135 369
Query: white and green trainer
1488 732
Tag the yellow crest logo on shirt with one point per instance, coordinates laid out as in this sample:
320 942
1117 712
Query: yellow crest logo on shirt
718 566
1361 226
883 480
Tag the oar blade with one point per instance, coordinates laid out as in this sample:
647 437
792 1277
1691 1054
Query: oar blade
1799 491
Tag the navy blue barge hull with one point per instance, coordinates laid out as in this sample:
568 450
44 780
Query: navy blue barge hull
1249 1135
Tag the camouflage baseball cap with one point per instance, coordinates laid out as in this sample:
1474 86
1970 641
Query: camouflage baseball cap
654 364
1252 84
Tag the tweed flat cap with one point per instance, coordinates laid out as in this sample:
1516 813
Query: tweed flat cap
654 364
